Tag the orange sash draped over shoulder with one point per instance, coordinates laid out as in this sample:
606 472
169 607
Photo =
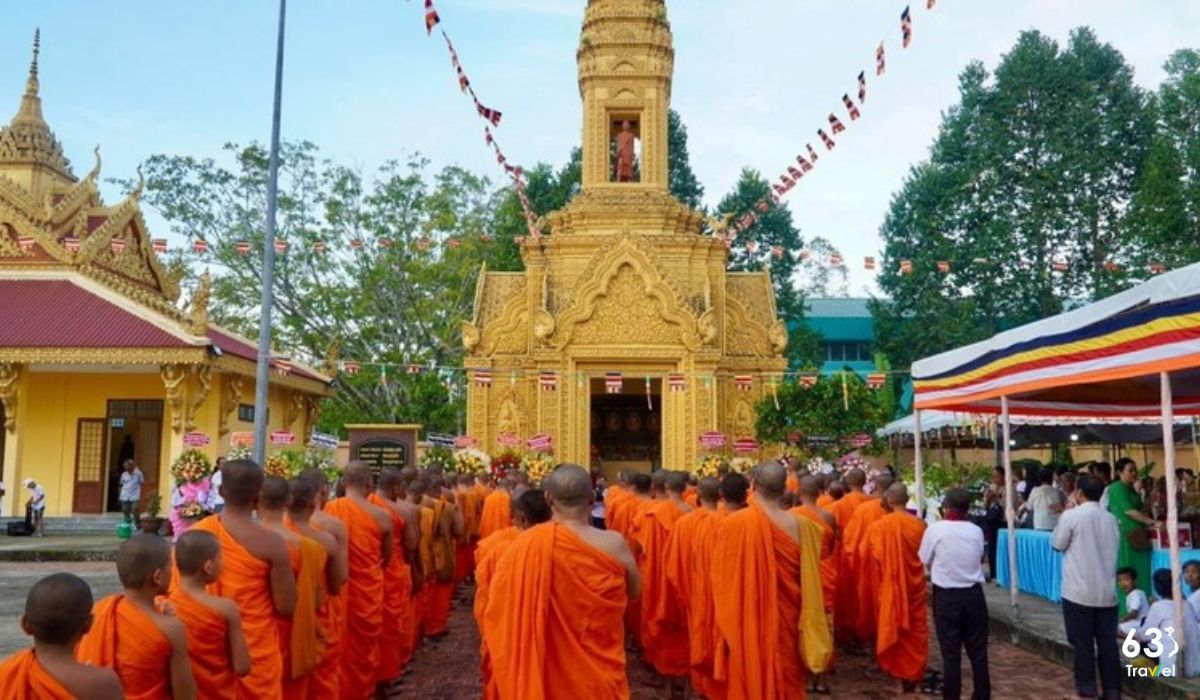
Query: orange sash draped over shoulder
397 588
866 574
689 579
22 677
664 623
902 637
828 554
126 640
496 513
364 600
247 580
824 501
487 557
208 646
553 619
846 595
770 615
306 641
331 613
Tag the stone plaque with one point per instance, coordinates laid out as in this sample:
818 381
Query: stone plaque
382 452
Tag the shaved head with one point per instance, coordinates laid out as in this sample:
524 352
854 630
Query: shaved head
810 487
883 480
241 482
837 489
418 487
304 495
677 482
658 480
275 493
194 549
770 479
734 487
316 477
357 475
390 481
532 507
641 483
58 608
569 486
856 478
407 474
710 490
897 495
140 557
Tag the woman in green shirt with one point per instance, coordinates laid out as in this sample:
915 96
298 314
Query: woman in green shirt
1125 503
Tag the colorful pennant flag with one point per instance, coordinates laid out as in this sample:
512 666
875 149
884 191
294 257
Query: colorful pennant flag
676 382
281 246
1157 268
319 246
540 443
422 243
876 380
1110 266
548 380
743 382
492 115
906 267
851 107
777 252
242 247
805 166
1059 266
412 369
613 382
118 245
26 242
160 245
351 368
829 143
835 124
943 265
880 61
906 26
431 17
862 86
835 260
483 377
808 380
200 246
795 172
869 263
356 243
812 153
283 365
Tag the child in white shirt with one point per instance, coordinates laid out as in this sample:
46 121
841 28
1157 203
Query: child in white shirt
1136 602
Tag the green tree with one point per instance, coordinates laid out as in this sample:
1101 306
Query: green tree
835 409
681 180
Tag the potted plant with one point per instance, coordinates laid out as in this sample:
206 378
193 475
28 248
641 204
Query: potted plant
152 519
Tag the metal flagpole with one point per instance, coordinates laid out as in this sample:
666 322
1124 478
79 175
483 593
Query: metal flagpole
1010 508
262 377
1168 430
918 464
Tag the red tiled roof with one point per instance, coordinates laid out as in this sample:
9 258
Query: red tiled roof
240 347
58 313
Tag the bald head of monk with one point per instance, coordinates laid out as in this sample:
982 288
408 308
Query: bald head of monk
569 491
709 490
144 564
275 494
836 490
896 496
58 610
317 478
407 474
505 484
198 556
303 501
810 488
856 479
357 479
770 480
530 508
734 488
676 483
642 484
883 481
658 482
417 488
390 482
241 484
466 480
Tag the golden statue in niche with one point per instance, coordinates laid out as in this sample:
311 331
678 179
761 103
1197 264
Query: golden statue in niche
625 146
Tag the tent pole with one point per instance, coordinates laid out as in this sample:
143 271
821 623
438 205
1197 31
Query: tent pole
1168 427
1195 445
918 467
1010 509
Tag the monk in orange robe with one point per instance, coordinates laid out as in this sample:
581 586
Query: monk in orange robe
256 573
771 626
691 495
397 583
465 497
424 570
370 539
846 595
664 622
58 612
902 634
553 616
449 527
810 488
616 492
306 514
529 509
689 580
146 648
411 542
300 640
854 540
496 509
626 525
216 643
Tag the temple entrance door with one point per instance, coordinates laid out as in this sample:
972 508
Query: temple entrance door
134 432
89 465
626 428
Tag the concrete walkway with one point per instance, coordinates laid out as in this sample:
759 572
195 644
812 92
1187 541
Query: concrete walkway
65 547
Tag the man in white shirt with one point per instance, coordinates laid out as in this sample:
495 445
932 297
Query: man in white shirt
216 503
953 551
1088 537
131 492
36 505
1160 619
1045 502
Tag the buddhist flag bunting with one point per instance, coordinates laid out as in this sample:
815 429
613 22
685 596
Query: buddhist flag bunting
413 369
751 246
804 254
356 243
787 181
492 115
876 380
762 205
1111 266
779 189
929 4
1059 266
431 17
1157 268
200 246
118 245
869 263
812 153
862 86
483 377
676 382
777 252
743 382
384 243
835 260
160 245
880 61
808 380
242 247
351 368
906 267
283 365
906 27
281 246
836 125
795 172
805 166
612 382
548 380
422 243
829 143
850 107
943 265
26 243
319 247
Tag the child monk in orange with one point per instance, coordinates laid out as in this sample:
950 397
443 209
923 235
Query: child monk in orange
216 643
58 612
146 648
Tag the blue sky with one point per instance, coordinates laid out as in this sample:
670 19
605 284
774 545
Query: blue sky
754 79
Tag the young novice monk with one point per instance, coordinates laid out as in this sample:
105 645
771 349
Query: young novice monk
216 643
58 611
147 649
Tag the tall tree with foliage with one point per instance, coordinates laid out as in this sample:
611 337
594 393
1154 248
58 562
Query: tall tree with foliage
823 417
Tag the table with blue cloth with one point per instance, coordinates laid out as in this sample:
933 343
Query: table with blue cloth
1039 567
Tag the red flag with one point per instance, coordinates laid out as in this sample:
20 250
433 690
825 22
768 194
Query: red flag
876 380
836 125
906 26
1060 266
743 382
160 245
613 382
906 267
835 260
880 62
676 382
242 247
850 107
118 245
548 380
200 246
1111 266
829 144
431 17
483 377
808 380
795 172
869 263
929 4
812 154
1157 268
804 164
27 243
862 86
491 115
943 265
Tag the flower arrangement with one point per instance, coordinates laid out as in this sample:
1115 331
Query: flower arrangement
537 465
278 465
191 467
710 465
741 465
816 465
438 457
321 458
506 463
193 511
471 461
239 452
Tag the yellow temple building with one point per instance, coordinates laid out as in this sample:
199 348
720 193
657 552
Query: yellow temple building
625 338
97 361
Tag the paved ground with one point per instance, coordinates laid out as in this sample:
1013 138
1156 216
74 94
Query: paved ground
16 579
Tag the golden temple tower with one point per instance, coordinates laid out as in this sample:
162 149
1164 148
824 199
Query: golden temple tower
622 338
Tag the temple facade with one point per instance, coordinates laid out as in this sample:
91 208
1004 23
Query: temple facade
625 338
98 362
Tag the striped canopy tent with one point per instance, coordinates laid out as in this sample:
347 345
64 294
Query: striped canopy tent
1134 354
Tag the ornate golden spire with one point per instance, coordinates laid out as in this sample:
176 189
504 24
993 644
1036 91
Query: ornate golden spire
27 140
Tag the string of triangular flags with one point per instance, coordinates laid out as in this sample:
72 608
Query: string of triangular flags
806 161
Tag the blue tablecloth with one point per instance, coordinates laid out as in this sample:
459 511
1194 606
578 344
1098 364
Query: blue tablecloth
1039 567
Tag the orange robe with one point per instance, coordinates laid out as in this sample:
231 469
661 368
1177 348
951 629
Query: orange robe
300 638
613 497
331 616
208 646
793 483
23 678
846 596
126 640
394 649
664 623
423 598
246 579
828 555
364 596
487 557
497 512
464 547
824 501
442 588
866 579
553 619
630 516
691 496
902 635
689 579
770 615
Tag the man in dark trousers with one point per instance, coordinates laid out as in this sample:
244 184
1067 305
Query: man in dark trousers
953 549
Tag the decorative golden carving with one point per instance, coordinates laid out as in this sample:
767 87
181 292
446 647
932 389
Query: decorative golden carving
198 309
175 381
108 356
778 335
543 325
27 138
470 336
295 409
312 414
9 374
230 398
203 374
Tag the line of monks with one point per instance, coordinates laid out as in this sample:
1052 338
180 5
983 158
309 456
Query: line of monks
284 594
734 589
